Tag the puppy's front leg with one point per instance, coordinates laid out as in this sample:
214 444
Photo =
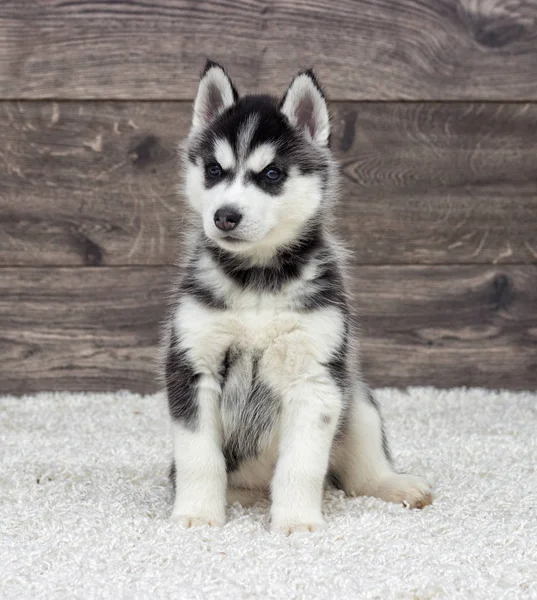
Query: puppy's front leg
310 414
200 471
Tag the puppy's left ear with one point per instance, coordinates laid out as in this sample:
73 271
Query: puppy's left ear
305 107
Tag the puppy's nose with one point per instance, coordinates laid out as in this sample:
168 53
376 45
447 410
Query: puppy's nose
227 218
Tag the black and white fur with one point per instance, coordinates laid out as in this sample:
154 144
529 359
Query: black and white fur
264 387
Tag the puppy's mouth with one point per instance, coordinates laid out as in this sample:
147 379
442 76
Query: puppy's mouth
234 243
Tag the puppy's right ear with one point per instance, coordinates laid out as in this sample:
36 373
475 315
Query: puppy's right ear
215 94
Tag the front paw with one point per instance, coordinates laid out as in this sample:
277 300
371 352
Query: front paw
287 526
409 490
187 519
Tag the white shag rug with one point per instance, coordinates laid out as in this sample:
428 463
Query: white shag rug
84 501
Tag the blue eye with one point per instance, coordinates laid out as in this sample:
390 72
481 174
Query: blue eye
272 174
214 170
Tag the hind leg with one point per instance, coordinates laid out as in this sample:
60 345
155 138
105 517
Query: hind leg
362 463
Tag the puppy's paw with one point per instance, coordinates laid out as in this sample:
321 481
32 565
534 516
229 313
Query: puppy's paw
186 521
409 490
287 527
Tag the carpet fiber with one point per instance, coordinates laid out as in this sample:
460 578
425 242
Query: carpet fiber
84 502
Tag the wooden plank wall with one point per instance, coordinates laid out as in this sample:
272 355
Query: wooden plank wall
434 106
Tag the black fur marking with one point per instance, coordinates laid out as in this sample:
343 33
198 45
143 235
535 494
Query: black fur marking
338 366
232 457
257 413
385 445
270 122
192 287
209 64
334 480
181 385
224 367
286 265
326 289
342 426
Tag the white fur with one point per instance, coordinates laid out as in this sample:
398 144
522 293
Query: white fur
194 187
267 221
362 464
201 480
293 343
311 409
245 135
260 158
223 153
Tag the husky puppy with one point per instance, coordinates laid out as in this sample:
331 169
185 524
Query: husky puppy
264 387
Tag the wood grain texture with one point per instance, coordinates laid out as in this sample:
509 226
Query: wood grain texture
80 328
448 326
362 49
89 183
97 328
93 183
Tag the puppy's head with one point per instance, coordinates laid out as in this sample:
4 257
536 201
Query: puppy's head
258 170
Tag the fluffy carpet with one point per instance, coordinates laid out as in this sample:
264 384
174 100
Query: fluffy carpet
85 500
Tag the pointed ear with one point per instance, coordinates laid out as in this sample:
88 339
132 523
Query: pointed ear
215 94
305 106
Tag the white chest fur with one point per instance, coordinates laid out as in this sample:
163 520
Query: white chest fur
290 344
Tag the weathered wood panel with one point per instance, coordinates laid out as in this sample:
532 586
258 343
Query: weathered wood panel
433 183
96 328
449 326
89 183
80 328
363 49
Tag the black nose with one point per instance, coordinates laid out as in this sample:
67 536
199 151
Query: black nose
226 218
